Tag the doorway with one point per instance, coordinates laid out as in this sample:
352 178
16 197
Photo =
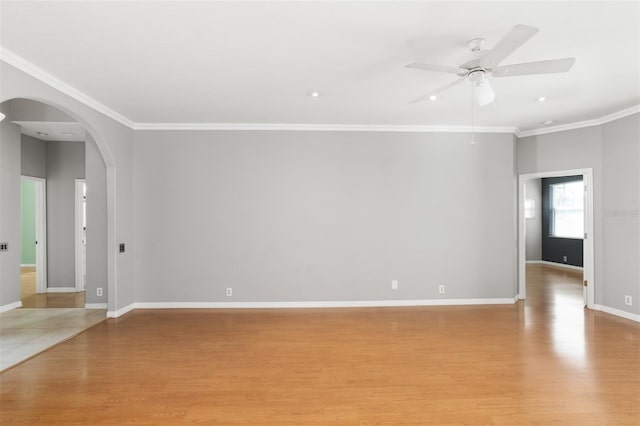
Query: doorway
33 234
81 234
524 210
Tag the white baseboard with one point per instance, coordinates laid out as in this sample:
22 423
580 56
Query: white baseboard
120 312
27 265
11 306
617 312
556 265
95 306
323 304
61 289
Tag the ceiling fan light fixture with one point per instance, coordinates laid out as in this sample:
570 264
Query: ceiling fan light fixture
484 93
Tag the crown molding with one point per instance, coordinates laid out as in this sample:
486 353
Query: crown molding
581 124
39 74
322 127
34 71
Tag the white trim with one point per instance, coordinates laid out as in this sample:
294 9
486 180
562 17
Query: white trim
80 260
323 304
11 306
617 312
61 290
562 266
580 124
27 265
323 127
95 306
588 246
38 73
120 312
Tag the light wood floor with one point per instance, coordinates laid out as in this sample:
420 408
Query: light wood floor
31 299
547 361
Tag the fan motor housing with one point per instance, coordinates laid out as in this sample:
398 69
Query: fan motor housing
477 74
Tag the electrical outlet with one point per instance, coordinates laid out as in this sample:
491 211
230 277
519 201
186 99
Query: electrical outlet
628 301
4 246
394 284
441 289
229 291
564 258
99 291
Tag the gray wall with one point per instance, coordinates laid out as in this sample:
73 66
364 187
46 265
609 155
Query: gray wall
322 216
96 223
33 159
9 209
65 163
612 151
621 211
533 226
28 110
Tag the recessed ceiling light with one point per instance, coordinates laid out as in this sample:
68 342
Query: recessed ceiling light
433 98
42 134
314 94
68 134
547 122
542 99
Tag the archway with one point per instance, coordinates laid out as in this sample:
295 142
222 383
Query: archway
93 136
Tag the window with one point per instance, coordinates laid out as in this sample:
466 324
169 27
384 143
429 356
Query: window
567 210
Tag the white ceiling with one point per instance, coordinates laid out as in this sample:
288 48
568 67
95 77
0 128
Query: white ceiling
256 62
53 131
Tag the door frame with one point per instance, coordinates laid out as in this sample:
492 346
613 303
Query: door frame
41 231
588 245
80 256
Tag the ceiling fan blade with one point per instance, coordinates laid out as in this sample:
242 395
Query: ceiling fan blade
541 67
484 92
438 68
505 47
436 92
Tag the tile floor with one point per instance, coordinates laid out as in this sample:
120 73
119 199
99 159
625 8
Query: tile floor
25 332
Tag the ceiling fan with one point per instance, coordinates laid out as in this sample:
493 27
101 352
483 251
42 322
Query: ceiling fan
486 63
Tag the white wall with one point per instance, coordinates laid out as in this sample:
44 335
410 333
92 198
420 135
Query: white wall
533 226
612 151
322 216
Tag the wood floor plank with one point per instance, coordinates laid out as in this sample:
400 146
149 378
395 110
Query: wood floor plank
547 361
31 299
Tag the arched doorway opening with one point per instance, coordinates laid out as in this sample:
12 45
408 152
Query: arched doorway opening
39 112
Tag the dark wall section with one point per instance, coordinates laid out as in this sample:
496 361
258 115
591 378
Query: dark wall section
555 249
